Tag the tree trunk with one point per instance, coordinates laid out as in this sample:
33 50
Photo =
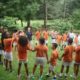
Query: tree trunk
28 23
45 14
21 23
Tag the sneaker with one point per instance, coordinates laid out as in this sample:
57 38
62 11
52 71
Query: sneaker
65 75
54 78
75 77
19 77
41 78
28 77
60 75
47 75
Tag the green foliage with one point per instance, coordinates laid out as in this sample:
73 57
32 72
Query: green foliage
9 22
76 19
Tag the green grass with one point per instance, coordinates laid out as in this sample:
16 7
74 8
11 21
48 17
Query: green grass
4 75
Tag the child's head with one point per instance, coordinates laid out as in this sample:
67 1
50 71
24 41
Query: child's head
70 41
8 35
54 45
23 41
42 41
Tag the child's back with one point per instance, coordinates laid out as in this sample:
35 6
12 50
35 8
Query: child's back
41 49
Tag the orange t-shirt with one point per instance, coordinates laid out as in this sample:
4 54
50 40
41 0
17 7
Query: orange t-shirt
37 35
64 37
76 40
59 38
45 35
77 56
22 52
54 57
68 53
8 44
41 50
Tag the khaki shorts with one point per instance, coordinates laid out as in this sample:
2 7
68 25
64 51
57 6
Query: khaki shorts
66 63
8 56
51 67
77 63
40 61
23 61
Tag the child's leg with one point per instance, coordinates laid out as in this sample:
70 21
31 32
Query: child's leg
6 64
34 69
67 69
76 69
41 70
19 68
26 68
10 66
62 68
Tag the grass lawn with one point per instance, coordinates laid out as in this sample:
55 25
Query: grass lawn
4 75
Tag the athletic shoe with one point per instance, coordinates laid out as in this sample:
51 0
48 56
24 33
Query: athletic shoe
54 78
47 75
60 75
41 78
65 75
28 77
19 77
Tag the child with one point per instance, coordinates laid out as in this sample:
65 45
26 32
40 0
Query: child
37 34
67 57
77 62
46 36
64 40
53 59
22 54
41 56
8 52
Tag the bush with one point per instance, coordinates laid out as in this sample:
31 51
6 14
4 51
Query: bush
9 23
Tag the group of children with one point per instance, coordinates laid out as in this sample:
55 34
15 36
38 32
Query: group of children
20 40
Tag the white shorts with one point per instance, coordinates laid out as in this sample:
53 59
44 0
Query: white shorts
15 43
8 56
1 52
64 43
51 67
40 61
66 63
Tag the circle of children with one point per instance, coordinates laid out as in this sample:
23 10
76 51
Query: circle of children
23 42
